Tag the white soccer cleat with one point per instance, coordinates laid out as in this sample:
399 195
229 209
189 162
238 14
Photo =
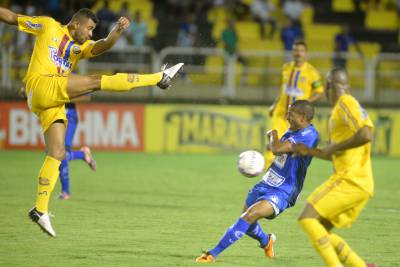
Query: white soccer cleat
43 220
168 75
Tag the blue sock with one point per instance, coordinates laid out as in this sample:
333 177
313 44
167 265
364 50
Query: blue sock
233 234
74 155
255 231
64 176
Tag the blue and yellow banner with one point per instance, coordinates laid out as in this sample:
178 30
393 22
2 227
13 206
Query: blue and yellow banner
213 128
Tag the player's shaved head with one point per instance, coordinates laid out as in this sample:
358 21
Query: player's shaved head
339 75
337 84
305 108
84 14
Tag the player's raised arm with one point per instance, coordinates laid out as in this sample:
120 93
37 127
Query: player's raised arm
103 45
8 16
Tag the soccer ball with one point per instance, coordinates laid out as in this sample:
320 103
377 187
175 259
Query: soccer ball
251 163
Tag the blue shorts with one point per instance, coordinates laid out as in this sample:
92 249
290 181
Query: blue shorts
273 195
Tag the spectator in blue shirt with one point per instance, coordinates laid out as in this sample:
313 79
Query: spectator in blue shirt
342 42
289 34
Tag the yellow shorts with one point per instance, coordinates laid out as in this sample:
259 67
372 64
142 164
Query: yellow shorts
46 96
279 123
339 201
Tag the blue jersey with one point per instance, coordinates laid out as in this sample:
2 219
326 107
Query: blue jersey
287 172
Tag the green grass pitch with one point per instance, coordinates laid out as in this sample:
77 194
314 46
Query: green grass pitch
162 210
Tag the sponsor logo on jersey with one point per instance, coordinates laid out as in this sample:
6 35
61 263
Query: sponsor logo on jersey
273 179
64 64
293 91
36 26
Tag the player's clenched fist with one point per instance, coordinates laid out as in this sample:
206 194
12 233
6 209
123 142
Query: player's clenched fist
122 24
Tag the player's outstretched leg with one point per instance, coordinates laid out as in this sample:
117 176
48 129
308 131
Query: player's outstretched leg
260 209
128 81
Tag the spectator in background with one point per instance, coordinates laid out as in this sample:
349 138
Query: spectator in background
187 35
187 32
293 9
137 36
106 18
138 30
289 34
342 42
230 41
261 11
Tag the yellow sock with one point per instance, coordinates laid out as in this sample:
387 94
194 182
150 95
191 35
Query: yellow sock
128 81
345 253
319 237
48 176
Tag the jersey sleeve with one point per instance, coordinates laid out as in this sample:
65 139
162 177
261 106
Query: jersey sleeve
87 49
354 114
316 82
33 25
308 137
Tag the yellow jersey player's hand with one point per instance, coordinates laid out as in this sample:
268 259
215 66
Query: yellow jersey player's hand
103 45
122 24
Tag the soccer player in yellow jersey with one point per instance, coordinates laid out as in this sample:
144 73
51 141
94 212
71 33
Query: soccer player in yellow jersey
339 201
49 84
299 81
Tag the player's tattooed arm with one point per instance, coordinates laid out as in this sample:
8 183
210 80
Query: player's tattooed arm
276 146
103 45
8 16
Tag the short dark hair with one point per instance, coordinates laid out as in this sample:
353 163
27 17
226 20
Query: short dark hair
85 13
304 107
300 42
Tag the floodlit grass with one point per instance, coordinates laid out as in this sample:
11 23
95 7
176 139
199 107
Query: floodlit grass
162 210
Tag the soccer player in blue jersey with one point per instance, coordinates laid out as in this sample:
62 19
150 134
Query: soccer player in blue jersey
82 154
279 187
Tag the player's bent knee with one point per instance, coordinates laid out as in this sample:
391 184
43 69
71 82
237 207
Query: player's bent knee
251 216
57 153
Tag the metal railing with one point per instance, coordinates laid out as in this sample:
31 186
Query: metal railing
222 77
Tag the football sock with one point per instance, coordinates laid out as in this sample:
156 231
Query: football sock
345 253
64 176
128 81
255 231
75 154
234 233
48 175
319 237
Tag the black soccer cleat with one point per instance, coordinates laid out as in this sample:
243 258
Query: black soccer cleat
168 75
